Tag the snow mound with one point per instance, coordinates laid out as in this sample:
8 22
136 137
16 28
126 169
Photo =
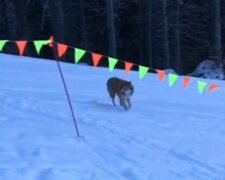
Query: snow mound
209 69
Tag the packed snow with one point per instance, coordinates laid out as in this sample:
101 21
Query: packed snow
170 133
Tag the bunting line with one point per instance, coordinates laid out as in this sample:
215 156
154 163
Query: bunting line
21 46
172 79
128 67
38 45
112 62
79 53
161 74
96 58
143 71
213 87
201 86
2 44
187 81
61 49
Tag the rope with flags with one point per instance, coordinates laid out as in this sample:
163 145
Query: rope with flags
112 62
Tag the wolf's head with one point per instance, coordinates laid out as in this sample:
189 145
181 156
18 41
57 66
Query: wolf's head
127 89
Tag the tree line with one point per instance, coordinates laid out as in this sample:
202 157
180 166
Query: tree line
176 34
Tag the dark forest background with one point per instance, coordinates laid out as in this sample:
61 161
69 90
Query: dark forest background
176 34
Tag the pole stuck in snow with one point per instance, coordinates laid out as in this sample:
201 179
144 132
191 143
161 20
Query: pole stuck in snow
68 97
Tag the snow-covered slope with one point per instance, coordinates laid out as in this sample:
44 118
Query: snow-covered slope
169 134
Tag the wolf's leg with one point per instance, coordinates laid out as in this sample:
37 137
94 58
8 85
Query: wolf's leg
121 99
112 95
122 102
129 102
113 101
126 104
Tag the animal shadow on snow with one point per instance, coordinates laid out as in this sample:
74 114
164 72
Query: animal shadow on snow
107 106
102 106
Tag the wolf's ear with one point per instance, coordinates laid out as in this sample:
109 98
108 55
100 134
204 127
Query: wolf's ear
129 82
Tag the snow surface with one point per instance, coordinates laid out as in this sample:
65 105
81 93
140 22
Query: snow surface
169 134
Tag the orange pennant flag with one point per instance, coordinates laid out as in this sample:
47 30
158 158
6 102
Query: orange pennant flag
213 87
96 58
187 81
128 67
161 74
51 41
21 46
61 49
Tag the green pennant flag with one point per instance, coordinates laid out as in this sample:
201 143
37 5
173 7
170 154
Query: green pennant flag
112 63
2 44
38 45
172 79
143 71
79 53
201 86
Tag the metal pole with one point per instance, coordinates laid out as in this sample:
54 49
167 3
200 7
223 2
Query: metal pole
68 97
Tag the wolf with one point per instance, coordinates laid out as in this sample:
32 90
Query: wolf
123 89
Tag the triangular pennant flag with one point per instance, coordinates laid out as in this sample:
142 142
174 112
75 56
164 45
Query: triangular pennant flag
143 71
128 67
38 45
187 81
2 44
201 86
172 79
96 58
161 74
51 41
21 46
61 49
112 63
213 87
79 53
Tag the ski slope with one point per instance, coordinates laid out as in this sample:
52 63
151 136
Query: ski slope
169 134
